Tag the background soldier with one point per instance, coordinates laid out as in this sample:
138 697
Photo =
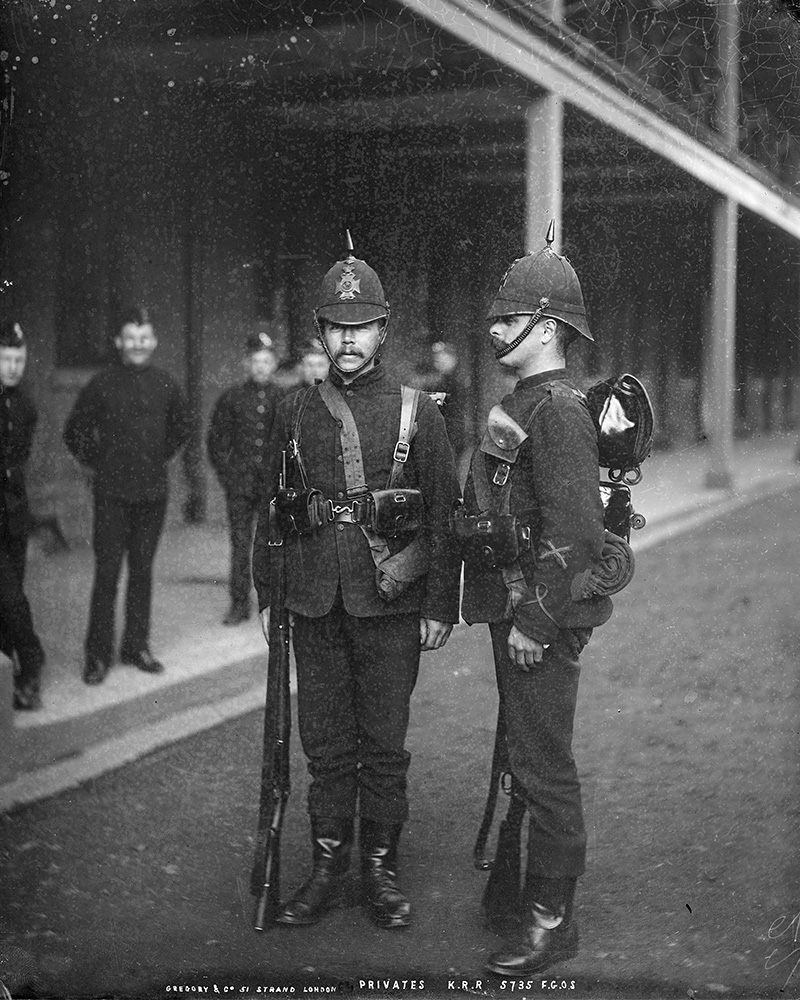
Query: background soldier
314 363
539 461
17 424
126 424
358 630
237 444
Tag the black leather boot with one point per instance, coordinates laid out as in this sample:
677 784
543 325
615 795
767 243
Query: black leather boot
331 839
386 905
547 933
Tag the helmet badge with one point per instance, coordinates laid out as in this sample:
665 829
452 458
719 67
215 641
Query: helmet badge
348 286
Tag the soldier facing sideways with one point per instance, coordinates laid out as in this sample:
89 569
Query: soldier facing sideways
366 599
17 424
237 438
538 461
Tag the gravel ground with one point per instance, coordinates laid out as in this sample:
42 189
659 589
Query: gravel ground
687 742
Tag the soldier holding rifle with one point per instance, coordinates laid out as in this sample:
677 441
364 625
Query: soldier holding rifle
532 523
372 580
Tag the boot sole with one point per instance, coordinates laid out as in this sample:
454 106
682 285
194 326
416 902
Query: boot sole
389 923
286 920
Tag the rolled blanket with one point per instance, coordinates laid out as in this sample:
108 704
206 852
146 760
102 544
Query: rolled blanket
610 575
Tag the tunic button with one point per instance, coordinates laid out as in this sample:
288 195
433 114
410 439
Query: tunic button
261 393
349 392
260 408
340 495
259 442
259 457
340 527
339 458
260 425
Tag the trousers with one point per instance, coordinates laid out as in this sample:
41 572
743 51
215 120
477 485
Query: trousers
242 511
355 677
123 529
17 632
539 708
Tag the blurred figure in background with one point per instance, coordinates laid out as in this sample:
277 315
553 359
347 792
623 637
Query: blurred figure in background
236 441
17 424
314 364
441 376
126 424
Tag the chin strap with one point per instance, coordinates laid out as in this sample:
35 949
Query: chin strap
543 304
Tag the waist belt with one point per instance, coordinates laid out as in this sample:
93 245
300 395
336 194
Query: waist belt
347 511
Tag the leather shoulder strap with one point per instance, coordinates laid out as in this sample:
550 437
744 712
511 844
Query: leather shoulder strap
408 428
348 433
299 405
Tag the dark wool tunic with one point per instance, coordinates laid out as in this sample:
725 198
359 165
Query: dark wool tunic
238 435
17 425
126 424
555 490
338 554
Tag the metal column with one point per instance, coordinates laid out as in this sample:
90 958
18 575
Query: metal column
544 172
721 364
721 360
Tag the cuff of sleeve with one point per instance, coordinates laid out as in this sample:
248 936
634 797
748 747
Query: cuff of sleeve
534 623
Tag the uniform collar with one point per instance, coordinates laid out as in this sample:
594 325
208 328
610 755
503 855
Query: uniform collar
540 378
370 377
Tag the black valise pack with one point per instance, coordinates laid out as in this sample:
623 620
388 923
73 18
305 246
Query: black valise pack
623 415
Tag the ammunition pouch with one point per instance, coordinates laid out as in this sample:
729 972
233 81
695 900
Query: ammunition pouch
490 540
302 511
387 513
395 512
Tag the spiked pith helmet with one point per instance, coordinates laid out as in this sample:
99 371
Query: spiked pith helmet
542 283
351 292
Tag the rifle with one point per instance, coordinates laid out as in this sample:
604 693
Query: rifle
501 901
265 879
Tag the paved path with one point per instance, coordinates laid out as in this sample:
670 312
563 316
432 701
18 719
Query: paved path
216 673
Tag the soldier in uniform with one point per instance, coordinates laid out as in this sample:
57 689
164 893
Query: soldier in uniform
17 424
538 463
364 605
237 438
314 363
126 424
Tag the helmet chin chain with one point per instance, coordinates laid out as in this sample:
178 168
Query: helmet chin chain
543 304
350 371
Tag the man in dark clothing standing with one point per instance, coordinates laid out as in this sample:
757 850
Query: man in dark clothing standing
538 461
17 424
366 600
237 445
127 423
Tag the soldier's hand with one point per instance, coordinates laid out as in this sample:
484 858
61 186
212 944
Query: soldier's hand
524 651
433 634
264 616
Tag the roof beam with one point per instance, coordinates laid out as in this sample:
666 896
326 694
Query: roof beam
532 57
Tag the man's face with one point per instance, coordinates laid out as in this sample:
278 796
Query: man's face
505 329
12 365
350 345
315 366
136 344
260 365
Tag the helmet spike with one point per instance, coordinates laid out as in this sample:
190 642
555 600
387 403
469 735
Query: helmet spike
350 247
551 234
